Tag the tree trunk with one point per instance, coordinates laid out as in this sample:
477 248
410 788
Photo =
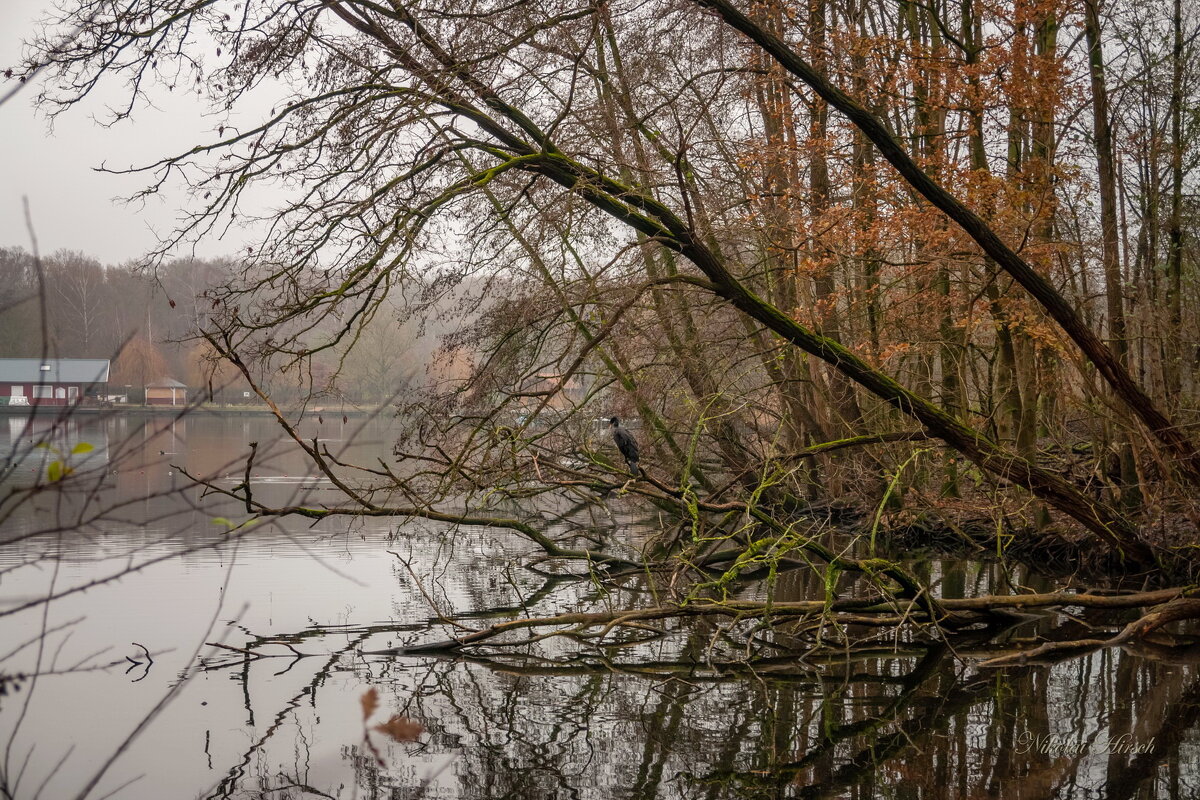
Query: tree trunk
1172 342
1110 243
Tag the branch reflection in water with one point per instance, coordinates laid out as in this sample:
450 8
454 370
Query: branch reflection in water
673 711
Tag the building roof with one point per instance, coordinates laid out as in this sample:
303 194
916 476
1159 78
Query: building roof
166 383
60 370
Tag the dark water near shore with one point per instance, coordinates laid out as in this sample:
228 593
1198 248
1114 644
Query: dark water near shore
672 718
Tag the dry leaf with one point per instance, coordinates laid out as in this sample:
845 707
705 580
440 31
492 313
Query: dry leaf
401 729
370 702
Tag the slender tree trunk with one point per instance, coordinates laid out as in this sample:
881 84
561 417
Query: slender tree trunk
1110 243
1172 342
842 391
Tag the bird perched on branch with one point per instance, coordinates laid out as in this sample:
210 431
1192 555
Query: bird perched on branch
626 444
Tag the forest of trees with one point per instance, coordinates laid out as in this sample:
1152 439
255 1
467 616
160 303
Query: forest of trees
962 221
148 325
94 311
934 259
866 279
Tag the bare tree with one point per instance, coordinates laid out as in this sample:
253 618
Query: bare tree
644 208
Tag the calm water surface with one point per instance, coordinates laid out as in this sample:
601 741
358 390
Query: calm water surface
670 719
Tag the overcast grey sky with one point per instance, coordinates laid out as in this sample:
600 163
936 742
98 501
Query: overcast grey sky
74 206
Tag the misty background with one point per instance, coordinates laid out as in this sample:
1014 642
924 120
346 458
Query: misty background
54 163
101 300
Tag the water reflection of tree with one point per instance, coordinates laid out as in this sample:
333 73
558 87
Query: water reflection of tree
859 727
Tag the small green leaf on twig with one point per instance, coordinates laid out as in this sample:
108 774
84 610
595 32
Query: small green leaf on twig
232 526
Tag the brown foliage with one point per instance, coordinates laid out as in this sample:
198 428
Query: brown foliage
401 729
139 362
369 702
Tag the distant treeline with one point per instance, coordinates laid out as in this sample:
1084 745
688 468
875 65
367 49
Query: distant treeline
70 305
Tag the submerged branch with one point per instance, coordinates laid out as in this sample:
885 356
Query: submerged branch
1181 607
958 614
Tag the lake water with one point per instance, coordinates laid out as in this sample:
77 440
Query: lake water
303 607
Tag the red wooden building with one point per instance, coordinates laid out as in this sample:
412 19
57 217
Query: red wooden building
51 381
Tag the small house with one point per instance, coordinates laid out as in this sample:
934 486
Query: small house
166 392
51 381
